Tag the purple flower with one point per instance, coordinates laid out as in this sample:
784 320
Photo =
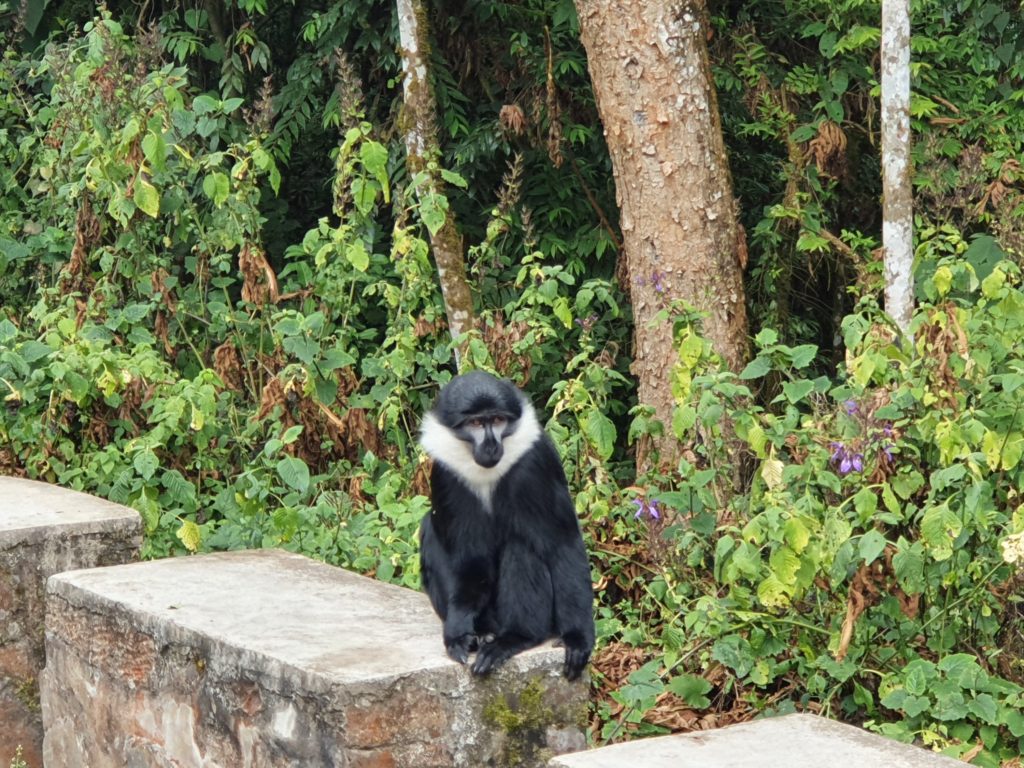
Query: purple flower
847 460
656 281
851 407
887 450
650 507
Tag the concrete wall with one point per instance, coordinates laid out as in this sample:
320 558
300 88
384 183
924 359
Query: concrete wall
267 658
44 530
791 741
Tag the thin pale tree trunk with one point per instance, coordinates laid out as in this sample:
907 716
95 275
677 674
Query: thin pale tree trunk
422 146
897 193
648 61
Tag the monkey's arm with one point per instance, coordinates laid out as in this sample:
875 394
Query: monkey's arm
456 569
574 604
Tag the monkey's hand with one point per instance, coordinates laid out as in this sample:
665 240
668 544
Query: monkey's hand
491 656
577 654
460 647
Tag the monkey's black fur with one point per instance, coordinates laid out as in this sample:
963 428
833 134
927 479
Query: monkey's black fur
501 554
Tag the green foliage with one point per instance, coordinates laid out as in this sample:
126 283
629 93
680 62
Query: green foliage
867 569
218 307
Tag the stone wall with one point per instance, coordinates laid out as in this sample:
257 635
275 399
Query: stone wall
44 530
271 659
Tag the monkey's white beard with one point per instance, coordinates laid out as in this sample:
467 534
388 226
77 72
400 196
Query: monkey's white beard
457 455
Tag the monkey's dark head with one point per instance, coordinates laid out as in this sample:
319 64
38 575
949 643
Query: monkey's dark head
480 410
479 428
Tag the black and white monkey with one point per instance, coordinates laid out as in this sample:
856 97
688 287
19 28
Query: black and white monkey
501 554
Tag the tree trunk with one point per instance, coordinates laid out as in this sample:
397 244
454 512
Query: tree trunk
649 65
897 193
422 147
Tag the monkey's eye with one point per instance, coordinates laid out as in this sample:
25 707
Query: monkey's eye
499 422
476 422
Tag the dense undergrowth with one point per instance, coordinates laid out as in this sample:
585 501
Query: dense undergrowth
204 319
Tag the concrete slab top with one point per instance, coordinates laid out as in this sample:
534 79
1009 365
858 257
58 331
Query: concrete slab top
308 616
790 741
28 507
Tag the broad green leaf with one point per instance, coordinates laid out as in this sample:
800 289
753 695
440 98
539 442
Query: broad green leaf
803 355
303 347
866 503
796 391
364 195
692 689
916 705
357 256
983 706
294 472
939 528
891 502
145 463
601 432
33 350
155 149
433 211
375 160
217 187
756 368
734 652
908 564
335 358
204 103
872 544
181 490
561 310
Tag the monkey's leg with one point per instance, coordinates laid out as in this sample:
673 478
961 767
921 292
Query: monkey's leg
523 612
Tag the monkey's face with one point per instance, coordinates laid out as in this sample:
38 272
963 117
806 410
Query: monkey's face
485 434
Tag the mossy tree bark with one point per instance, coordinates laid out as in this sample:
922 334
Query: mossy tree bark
897 192
648 61
422 154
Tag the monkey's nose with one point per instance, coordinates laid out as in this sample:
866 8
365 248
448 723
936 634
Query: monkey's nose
487 458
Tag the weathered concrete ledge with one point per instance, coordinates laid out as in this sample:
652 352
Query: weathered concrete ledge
44 530
791 741
267 658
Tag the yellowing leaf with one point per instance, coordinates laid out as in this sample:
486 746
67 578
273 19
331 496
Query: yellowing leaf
796 534
771 472
189 535
146 197
772 593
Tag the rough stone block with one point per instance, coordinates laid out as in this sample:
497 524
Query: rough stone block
44 530
267 658
791 741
